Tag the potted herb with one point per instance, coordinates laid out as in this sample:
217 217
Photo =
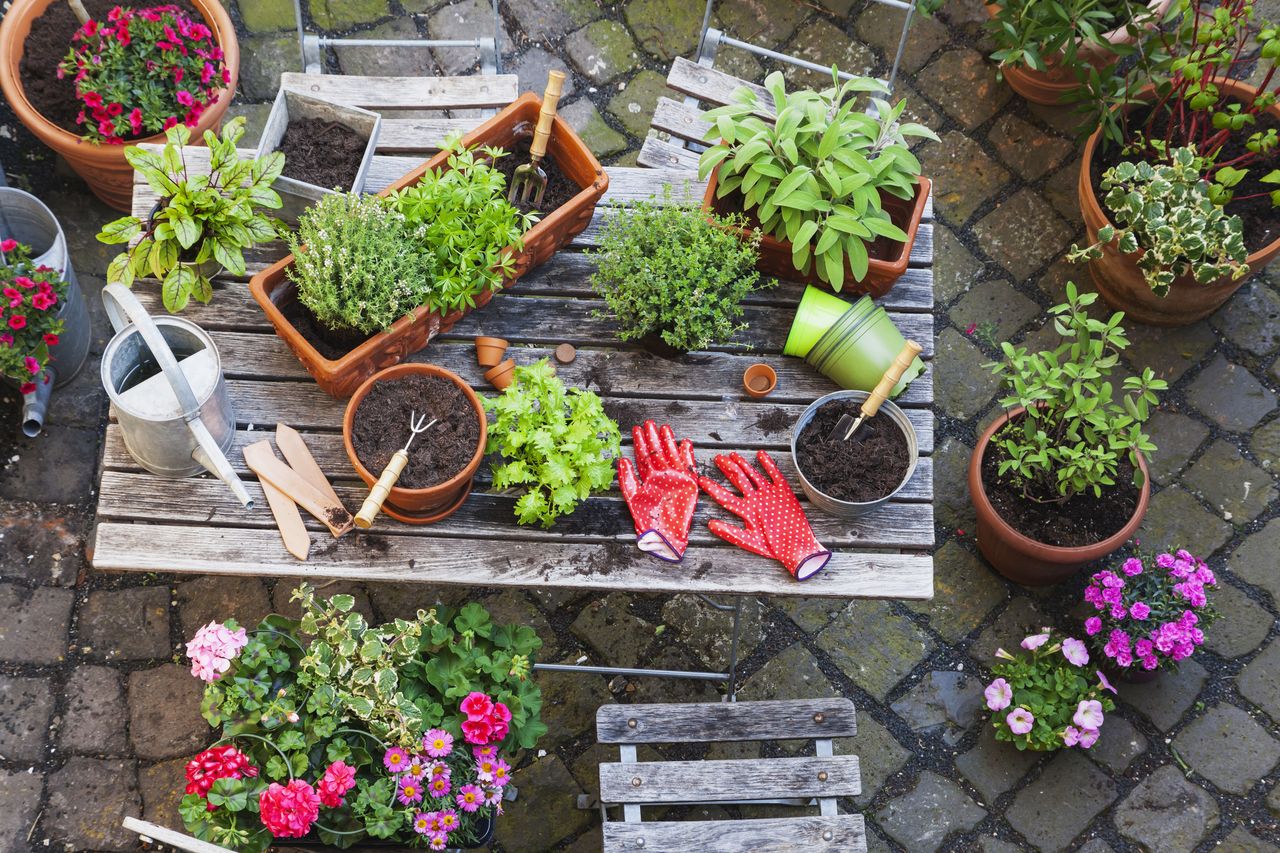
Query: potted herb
557 444
336 731
1183 92
1060 479
442 461
1170 235
204 219
129 77
668 270
1049 698
1150 614
835 190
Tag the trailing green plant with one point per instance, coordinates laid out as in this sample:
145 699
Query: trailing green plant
671 269
358 264
1037 34
1165 211
200 216
815 175
557 444
463 219
1076 430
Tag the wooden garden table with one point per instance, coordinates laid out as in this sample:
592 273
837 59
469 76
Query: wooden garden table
147 523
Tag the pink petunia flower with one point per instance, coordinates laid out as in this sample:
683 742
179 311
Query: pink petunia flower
1035 641
33 366
1020 721
1075 651
17 322
185 98
1088 714
14 296
438 743
1070 736
1088 738
999 694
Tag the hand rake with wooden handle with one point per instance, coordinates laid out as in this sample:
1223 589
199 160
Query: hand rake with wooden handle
378 494
529 183
847 426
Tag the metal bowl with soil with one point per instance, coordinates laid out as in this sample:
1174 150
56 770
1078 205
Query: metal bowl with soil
850 478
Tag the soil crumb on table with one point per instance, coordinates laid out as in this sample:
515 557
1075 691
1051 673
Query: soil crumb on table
381 427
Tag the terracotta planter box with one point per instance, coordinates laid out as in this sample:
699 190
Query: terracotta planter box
272 290
103 167
882 272
1117 276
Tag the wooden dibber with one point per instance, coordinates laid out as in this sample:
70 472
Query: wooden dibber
529 181
262 460
847 426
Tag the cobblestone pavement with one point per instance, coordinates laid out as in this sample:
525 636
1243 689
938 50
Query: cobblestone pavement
95 717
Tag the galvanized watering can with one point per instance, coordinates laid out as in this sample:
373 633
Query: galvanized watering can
172 406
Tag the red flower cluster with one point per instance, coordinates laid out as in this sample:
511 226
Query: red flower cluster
221 762
487 721
30 297
338 778
142 72
289 810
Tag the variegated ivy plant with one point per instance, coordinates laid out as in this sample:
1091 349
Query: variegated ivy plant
1166 211
816 174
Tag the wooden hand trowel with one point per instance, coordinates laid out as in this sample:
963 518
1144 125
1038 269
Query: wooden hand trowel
321 503
847 426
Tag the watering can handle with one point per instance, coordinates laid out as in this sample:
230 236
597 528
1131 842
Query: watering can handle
122 308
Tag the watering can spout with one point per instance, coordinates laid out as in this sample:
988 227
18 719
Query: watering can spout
210 455
36 404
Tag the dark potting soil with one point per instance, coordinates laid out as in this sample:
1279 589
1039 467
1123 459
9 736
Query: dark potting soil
381 427
333 344
1260 220
883 249
324 153
1082 520
48 44
868 466
560 188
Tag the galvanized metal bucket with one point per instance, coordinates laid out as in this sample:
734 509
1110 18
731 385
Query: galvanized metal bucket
851 509
177 421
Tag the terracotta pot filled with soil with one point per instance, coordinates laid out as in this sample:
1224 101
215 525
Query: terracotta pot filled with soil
889 258
35 35
1117 276
850 478
1037 543
443 460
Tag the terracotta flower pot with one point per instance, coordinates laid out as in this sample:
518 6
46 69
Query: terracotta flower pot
1057 81
502 375
489 350
1117 276
759 380
103 167
271 289
882 272
1022 559
418 506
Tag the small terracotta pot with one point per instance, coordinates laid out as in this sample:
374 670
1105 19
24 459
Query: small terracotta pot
502 375
435 502
1117 276
775 254
489 350
103 167
759 380
1022 559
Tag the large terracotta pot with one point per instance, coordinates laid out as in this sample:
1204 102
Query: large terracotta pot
1052 85
1117 276
272 290
103 167
1022 559
418 506
775 254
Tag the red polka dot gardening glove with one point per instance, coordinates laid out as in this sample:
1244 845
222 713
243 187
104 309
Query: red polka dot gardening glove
774 525
662 497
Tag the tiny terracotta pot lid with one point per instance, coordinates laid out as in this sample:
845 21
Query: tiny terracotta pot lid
502 376
759 380
489 351
565 353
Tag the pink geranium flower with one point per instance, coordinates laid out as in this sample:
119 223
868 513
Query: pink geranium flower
213 648
477 731
1020 721
999 694
338 778
477 706
289 810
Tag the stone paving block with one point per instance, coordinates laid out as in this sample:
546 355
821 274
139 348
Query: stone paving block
879 756
26 706
462 20
1228 747
1176 520
992 766
255 118
881 27
994 301
955 269
965 591
1240 841
284 588
811 614
1239 489
126 624
709 632
601 50
19 807
546 811
951 505
1264 441
1060 191
664 28
989 844
1242 625
532 68
1023 234
1027 149
964 177
388 61
267 16
569 703
87 799
1230 396
162 787
634 105
345 14
963 385
512 607
1168 352
618 637
825 44
399 600
791 674
874 646
943 703
1165 812
596 134
1069 779
1022 617
164 712
94 722
676 691
1118 744
1249 319
922 819
963 83
263 59
1273 801
766 22
74 457
1176 437
38 545
1255 560
34 623
217 598
1259 682
547 20
1166 699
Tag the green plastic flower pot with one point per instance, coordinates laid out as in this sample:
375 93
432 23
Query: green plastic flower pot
856 358
817 312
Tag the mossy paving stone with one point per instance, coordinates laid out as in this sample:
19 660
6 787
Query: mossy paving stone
1242 624
1023 233
1251 317
879 756
126 624
709 632
936 808
1240 841
1264 441
1027 149
664 28
87 800
1168 352
546 811
1118 744
965 591
1259 681
1165 812
512 607
19 807
792 674
1022 617
994 302
955 268
388 61
1060 190
618 637
264 59
569 704
1166 699
1176 436
1069 792
217 598
964 177
874 646
596 134
164 712
547 20
162 786
28 707
811 614
34 623
825 44
39 545
963 83
344 14
532 68
634 105
95 716
1228 747
881 27
601 50
1239 489
962 383
1255 560
1230 396
943 704
404 600
994 766
1176 520
267 16
55 471
463 20
767 22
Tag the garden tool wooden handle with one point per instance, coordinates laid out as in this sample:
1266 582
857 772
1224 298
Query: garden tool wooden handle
373 504
551 97
908 354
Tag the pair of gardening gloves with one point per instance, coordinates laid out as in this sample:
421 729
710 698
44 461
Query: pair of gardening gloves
661 490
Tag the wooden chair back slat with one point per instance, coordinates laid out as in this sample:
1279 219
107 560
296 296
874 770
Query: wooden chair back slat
481 91
710 722
735 780
839 834
715 87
